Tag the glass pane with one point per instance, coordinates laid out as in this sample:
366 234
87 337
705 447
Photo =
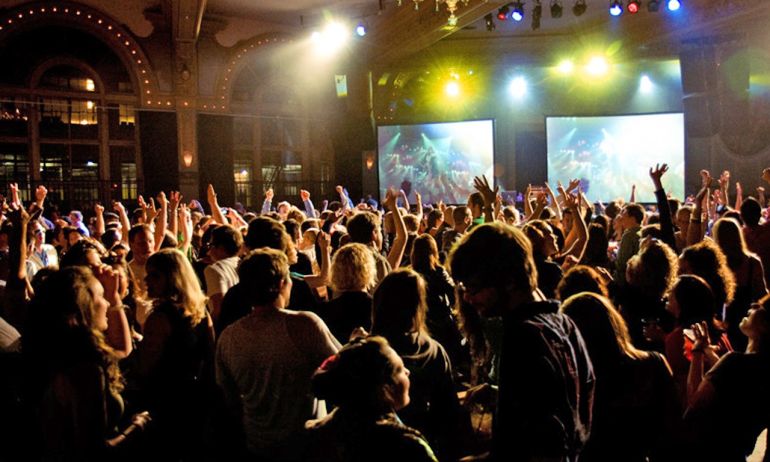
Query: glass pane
271 132
67 78
53 158
122 120
14 167
128 181
242 173
242 132
14 114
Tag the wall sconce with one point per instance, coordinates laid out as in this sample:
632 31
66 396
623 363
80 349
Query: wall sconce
369 162
187 158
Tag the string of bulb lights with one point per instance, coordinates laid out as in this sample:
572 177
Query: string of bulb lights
515 11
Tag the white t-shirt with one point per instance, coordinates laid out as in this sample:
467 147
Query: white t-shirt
220 276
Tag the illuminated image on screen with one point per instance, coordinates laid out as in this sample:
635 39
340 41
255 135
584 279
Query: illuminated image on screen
439 160
609 154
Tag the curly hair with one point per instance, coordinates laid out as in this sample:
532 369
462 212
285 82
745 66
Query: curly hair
653 270
353 268
706 259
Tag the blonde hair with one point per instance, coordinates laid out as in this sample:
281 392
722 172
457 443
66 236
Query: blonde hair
183 289
353 268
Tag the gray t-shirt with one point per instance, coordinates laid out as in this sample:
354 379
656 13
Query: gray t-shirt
264 364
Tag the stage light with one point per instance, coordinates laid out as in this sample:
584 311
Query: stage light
556 9
361 29
597 66
674 5
518 11
489 22
333 37
537 13
579 8
653 6
645 84
633 6
452 89
502 13
566 67
616 8
518 87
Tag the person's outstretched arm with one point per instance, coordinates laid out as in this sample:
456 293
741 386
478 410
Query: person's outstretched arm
267 204
309 209
695 230
490 196
399 243
216 212
664 211
99 212
162 224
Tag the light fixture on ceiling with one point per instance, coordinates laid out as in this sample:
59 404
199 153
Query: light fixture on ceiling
616 8
361 29
674 5
490 23
579 8
502 13
633 6
556 9
518 11
537 13
653 6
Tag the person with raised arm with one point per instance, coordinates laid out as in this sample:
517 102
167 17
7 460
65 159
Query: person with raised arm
488 195
697 228
309 209
664 211
729 406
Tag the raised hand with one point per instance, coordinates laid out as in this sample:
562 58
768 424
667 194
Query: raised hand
482 186
391 200
766 174
541 199
14 187
738 187
110 280
40 194
99 209
324 241
304 195
118 207
211 195
724 179
705 178
418 198
175 198
573 184
657 173
269 194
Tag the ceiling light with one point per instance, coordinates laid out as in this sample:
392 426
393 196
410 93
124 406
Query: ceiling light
616 8
361 29
518 87
674 5
518 11
653 6
556 8
633 6
502 13
537 13
490 23
579 8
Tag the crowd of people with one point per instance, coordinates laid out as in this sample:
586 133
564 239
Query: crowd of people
561 331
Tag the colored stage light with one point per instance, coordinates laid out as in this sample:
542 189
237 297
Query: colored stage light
597 66
518 87
674 5
633 6
452 89
579 8
360 29
616 8
556 9
645 84
566 67
518 11
502 13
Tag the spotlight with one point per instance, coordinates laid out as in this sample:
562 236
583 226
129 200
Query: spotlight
502 13
616 8
518 87
556 8
653 6
537 13
674 5
633 6
566 67
579 8
452 89
645 84
518 11
361 29
489 22
597 66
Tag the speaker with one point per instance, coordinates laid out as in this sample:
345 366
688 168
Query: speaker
699 69
701 114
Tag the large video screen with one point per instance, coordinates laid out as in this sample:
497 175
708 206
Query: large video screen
439 160
610 154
